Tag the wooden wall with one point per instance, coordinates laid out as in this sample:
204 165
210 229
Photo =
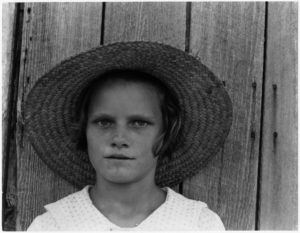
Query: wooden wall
279 171
251 46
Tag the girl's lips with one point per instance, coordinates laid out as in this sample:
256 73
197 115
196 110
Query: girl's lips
118 156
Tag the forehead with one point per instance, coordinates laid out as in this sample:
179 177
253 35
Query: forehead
123 95
120 82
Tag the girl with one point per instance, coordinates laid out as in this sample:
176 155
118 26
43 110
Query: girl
126 121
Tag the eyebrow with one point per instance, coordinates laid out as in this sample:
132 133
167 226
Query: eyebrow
130 117
142 117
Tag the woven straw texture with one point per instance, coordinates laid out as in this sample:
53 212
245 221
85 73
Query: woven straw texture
50 108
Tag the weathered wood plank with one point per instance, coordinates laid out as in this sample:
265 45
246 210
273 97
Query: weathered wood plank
160 21
229 37
279 172
9 19
51 32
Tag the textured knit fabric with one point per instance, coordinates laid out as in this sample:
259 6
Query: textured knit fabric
77 212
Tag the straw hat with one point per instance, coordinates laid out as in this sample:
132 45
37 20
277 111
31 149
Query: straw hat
50 108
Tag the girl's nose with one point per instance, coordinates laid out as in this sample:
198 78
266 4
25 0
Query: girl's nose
120 140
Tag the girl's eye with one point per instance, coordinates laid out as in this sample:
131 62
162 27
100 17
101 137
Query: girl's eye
139 124
104 123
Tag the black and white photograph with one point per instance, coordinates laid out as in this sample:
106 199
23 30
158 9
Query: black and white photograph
149 116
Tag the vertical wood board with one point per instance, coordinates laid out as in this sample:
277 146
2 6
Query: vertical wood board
229 39
160 22
51 33
8 25
279 172
9 21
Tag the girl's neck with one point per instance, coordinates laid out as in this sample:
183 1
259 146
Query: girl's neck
125 194
120 202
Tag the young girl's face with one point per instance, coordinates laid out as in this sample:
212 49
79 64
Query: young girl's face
124 122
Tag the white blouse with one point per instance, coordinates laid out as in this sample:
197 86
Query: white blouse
76 212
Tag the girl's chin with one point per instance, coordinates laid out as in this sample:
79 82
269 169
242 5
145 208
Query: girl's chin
123 181
120 178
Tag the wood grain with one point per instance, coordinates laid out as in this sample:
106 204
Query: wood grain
229 39
51 33
279 188
8 19
9 202
160 21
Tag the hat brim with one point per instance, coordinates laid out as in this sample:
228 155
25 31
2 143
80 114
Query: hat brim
50 108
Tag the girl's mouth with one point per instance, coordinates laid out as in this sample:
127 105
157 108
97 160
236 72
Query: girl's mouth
119 156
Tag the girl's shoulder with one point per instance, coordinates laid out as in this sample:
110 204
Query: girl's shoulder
56 212
44 222
182 201
204 218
